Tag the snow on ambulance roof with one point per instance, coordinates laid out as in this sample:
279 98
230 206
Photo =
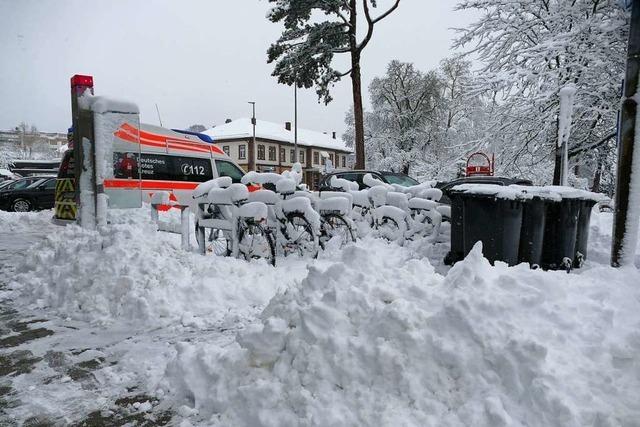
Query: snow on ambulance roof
242 128
102 104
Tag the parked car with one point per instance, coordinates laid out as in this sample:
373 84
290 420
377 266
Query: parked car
495 180
20 196
357 175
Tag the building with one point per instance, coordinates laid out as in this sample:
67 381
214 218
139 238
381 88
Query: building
274 148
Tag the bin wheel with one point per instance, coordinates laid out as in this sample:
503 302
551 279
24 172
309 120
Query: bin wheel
579 260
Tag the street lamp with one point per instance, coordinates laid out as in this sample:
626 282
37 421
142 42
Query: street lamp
295 122
253 122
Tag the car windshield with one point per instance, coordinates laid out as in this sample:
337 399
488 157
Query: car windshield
404 180
36 183
5 183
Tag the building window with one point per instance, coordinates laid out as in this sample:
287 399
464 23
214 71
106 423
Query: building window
331 158
272 153
260 152
344 161
283 154
225 148
316 158
242 152
301 156
292 156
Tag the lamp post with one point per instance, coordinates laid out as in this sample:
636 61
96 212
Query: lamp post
295 123
253 145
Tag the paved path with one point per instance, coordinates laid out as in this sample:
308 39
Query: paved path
47 364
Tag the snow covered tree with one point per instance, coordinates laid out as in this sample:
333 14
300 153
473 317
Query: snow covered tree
314 32
421 123
196 128
530 50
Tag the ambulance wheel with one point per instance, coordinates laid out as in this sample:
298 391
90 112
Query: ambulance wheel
21 205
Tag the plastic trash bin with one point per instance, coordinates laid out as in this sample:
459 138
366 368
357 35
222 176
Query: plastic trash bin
534 218
559 247
587 202
492 214
457 240
532 231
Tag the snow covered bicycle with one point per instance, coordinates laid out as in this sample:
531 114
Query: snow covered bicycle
237 226
292 221
335 222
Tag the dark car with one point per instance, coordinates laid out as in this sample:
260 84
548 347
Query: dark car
495 180
28 194
357 176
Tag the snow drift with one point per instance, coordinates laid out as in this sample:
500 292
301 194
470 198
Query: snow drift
380 339
133 272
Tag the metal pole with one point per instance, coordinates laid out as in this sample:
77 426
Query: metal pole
295 123
253 122
626 140
159 118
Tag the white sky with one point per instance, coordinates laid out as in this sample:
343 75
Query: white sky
200 60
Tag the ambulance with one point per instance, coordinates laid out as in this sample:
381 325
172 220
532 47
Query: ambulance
146 159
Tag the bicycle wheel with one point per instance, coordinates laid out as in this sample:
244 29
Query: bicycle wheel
219 243
299 236
255 242
334 225
422 226
389 229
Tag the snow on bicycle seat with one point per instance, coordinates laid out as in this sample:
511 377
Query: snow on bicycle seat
397 214
360 198
205 187
444 210
431 194
332 194
265 196
239 192
342 184
397 199
418 203
378 195
219 196
286 186
262 178
255 210
339 205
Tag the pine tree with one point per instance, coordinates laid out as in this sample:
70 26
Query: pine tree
305 51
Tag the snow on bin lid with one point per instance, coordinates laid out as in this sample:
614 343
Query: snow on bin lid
575 193
500 191
538 191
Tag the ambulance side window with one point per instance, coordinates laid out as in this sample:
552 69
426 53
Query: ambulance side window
229 169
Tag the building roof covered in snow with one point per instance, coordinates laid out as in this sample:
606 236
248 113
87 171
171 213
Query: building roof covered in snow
242 129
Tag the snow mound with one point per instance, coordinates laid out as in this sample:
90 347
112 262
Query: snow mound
132 271
380 339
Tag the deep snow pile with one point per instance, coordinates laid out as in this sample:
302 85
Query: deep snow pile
24 221
131 271
380 339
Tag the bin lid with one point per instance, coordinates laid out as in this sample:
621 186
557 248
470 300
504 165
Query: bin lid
576 193
507 192
545 193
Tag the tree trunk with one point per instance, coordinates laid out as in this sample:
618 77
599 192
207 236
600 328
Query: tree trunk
356 86
595 187
358 111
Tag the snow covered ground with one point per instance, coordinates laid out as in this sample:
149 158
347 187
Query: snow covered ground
374 334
